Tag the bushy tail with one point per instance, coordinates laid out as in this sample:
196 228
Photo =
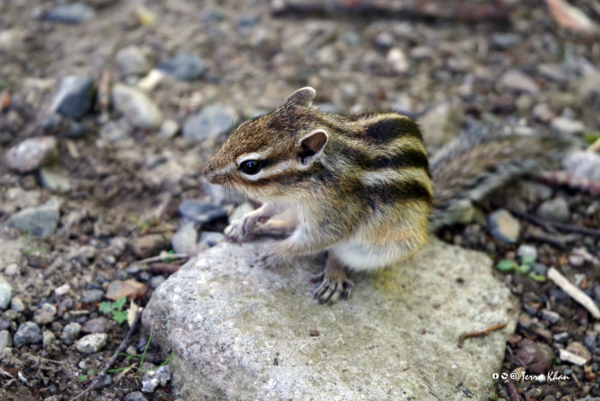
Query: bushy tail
477 163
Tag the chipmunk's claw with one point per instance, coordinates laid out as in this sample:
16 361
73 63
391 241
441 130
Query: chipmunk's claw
240 230
334 286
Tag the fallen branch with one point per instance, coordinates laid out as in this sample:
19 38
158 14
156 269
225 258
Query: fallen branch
579 183
163 268
464 336
162 258
121 348
552 227
574 292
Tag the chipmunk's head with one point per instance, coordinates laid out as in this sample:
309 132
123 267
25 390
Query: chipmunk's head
269 155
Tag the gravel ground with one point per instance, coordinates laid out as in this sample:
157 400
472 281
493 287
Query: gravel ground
108 110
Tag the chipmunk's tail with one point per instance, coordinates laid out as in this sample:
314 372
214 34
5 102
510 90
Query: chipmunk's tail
477 163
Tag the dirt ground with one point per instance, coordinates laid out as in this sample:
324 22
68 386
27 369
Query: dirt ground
447 69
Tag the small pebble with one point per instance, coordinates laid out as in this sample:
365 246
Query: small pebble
31 154
560 336
91 296
156 281
97 325
135 396
184 66
213 122
567 126
70 333
45 314
583 164
17 304
550 316
201 213
55 179
75 97
5 340
38 221
137 107
537 357
579 349
5 293
28 333
518 81
555 209
91 343
133 60
185 238
48 338
62 290
74 13
153 378
126 288
504 227
211 238
527 251
168 129
503 41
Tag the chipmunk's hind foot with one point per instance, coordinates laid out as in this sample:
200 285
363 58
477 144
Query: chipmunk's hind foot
334 284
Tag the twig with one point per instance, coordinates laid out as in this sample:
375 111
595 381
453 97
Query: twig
464 336
512 392
574 292
163 268
162 258
559 241
550 226
120 349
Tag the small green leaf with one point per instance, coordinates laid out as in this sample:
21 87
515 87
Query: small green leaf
528 260
82 378
524 269
537 277
105 307
118 304
591 137
120 316
91 372
506 265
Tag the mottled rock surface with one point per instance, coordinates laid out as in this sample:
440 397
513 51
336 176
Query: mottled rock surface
242 331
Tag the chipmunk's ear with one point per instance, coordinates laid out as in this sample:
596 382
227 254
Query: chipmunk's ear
302 97
311 146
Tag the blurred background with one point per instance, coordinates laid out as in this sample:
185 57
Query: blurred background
109 109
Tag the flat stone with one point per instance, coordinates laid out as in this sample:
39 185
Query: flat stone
5 292
97 325
16 303
133 60
580 350
89 296
184 66
505 41
45 315
240 331
91 343
567 126
62 290
200 212
74 97
517 81
28 333
153 378
156 281
556 209
504 227
31 154
5 340
135 396
149 245
55 179
75 13
137 107
213 122
38 221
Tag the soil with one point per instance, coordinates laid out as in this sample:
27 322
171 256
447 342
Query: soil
119 198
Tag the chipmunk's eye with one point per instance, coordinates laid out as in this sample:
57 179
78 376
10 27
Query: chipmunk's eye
251 167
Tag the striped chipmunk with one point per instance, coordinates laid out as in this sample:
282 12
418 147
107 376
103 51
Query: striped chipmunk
359 188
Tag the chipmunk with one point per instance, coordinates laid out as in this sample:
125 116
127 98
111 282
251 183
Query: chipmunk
358 187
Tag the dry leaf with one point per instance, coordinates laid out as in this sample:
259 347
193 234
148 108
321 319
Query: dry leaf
133 308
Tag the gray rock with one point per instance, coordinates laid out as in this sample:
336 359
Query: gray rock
156 281
38 221
583 164
45 315
552 72
534 191
97 325
133 60
555 209
54 178
517 81
184 66
48 338
255 322
5 340
212 123
91 343
185 238
527 251
70 333
200 212
135 396
137 107
168 129
240 211
5 292
31 154
153 378
75 13
115 131
211 238
16 303
75 97
505 41
90 296
504 227
28 333
567 126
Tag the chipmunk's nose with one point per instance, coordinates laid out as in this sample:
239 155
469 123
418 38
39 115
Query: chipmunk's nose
209 173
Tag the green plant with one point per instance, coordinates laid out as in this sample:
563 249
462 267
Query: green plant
25 247
508 265
115 308
591 137
130 357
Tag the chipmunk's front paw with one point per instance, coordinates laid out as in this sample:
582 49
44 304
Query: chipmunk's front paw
240 230
334 286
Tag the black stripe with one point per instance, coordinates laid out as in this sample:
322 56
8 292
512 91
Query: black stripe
404 159
391 128
394 192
